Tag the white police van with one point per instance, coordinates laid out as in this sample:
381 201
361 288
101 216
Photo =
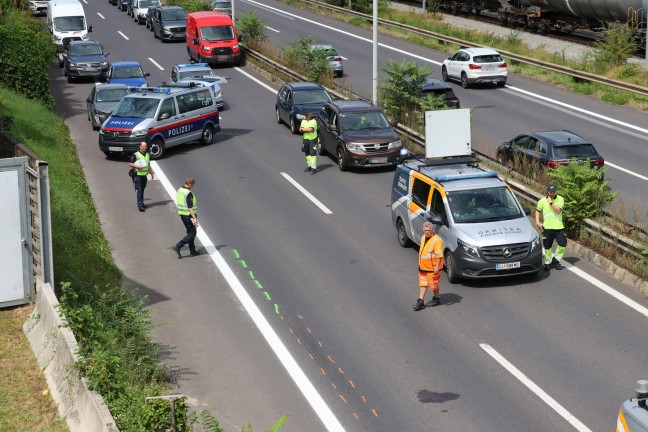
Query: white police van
163 117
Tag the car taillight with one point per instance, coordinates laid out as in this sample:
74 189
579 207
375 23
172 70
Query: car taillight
554 164
600 161
474 66
337 59
502 65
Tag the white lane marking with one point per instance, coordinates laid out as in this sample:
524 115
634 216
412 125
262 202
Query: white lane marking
627 171
262 84
84 1
534 95
123 35
270 28
308 195
275 11
101 16
535 389
608 289
297 374
155 63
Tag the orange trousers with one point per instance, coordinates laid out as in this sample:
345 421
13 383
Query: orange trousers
430 280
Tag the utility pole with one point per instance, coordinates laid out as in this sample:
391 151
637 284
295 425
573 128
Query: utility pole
644 15
375 52
233 12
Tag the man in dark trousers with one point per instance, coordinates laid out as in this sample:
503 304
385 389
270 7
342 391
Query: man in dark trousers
140 163
187 208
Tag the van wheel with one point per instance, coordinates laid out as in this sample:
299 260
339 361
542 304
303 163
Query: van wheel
464 80
157 148
451 268
293 125
277 116
320 148
207 135
341 160
403 239
444 74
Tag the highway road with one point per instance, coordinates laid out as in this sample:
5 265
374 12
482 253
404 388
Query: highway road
318 260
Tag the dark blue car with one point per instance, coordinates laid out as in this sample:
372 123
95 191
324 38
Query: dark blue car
295 99
129 73
85 59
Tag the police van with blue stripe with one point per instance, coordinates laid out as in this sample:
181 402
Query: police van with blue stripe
163 117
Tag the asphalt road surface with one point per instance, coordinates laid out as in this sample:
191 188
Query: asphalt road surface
303 306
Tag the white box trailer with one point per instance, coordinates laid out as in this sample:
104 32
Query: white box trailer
66 22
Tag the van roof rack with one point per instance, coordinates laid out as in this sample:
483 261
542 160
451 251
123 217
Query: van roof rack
447 178
450 160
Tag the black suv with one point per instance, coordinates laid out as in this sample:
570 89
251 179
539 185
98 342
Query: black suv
168 23
437 88
85 59
296 99
358 134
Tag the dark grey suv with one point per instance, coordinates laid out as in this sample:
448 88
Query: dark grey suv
296 99
168 23
85 59
357 134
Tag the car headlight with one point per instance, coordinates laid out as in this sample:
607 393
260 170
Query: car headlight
144 85
354 147
235 47
84 37
206 48
300 116
218 93
395 144
139 133
73 65
167 29
142 14
104 63
535 243
468 248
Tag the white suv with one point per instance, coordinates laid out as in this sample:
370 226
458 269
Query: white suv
475 66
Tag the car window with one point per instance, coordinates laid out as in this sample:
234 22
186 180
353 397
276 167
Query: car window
168 106
127 72
311 96
465 56
148 3
136 108
437 205
574 151
522 142
542 147
217 33
420 193
194 74
490 58
111 95
483 205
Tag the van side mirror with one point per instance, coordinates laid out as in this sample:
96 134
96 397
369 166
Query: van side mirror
195 41
89 29
240 37
147 73
393 122
107 53
434 219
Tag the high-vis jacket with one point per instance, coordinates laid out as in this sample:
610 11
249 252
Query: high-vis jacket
145 157
312 123
430 252
181 200
551 219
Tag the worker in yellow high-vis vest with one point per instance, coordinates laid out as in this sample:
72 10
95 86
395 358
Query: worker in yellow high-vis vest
308 127
430 265
140 162
188 211
552 227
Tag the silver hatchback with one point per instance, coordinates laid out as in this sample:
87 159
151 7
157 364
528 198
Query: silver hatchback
335 59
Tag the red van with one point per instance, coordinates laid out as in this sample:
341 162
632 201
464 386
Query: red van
211 38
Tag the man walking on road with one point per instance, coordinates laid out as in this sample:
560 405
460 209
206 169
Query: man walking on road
308 127
430 265
140 163
552 227
187 208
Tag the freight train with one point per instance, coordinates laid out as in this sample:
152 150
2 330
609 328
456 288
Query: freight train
565 16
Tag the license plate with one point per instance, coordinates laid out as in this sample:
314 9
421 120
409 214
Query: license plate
378 160
115 149
488 67
222 58
90 69
507 266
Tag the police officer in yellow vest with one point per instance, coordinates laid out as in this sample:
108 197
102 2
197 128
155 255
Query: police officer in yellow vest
140 163
430 265
551 208
308 127
187 208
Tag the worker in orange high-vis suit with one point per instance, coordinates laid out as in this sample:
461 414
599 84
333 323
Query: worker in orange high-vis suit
430 265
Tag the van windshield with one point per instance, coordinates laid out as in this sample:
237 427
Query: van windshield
148 3
70 23
136 108
217 33
484 205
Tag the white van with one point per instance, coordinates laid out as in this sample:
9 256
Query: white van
66 22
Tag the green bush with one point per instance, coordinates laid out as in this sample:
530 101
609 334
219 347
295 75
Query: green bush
25 53
252 27
586 193
618 45
314 62
400 90
615 97
192 5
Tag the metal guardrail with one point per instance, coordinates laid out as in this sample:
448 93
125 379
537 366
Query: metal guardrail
515 57
621 241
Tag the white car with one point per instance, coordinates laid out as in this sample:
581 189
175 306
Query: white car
475 66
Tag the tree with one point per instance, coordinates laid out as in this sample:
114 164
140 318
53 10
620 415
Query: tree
252 26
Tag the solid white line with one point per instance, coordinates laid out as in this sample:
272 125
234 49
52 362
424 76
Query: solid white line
84 1
608 289
270 28
123 35
535 389
308 195
155 63
262 84
344 58
608 163
101 16
297 374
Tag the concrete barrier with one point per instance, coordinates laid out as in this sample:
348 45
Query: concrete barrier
56 352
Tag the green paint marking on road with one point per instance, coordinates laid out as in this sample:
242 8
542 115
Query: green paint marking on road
236 254
277 308
251 274
258 284
267 295
243 264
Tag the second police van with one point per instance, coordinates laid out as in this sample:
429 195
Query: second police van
163 117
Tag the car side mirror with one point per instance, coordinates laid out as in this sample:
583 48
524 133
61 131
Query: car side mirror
393 122
526 210
147 73
195 41
164 116
107 53
89 99
240 38
89 29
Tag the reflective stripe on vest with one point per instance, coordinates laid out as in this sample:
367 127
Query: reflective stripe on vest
427 259
139 156
181 201
312 123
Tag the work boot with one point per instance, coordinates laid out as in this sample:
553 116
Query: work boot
419 305
194 253
313 171
307 169
436 301
176 249
557 265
